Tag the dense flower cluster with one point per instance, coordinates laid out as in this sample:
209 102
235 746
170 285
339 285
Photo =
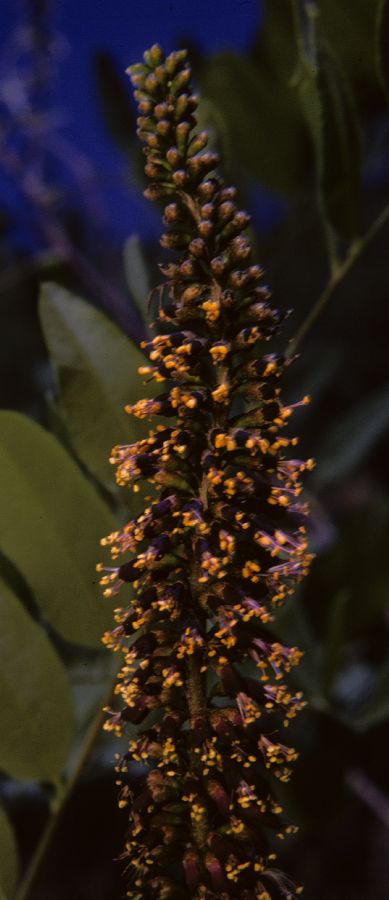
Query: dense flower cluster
220 545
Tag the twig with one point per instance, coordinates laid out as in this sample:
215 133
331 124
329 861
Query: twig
63 797
338 274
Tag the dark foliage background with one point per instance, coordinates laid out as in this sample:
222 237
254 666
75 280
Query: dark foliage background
295 95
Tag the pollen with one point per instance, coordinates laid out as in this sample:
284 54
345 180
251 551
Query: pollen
219 351
212 310
221 393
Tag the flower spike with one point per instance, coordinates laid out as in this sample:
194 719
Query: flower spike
218 548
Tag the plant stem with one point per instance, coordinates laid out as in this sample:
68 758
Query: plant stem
337 275
62 798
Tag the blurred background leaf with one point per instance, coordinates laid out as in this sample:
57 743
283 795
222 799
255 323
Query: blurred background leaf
54 523
255 99
349 25
351 437
96 371
36 705
328 107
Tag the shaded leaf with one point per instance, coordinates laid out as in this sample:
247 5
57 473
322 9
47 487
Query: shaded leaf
328 106
349 25
341 144
136 273
37 715
351 438
382 44
356 564
8 858
88 680
258 105
96 368
51 530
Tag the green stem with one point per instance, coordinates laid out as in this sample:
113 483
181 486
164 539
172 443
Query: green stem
337 275
62 798
329 234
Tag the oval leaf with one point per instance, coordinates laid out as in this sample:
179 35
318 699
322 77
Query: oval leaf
8 858
349 27
340 148
259 110
97 372
37 718
328 106
51 528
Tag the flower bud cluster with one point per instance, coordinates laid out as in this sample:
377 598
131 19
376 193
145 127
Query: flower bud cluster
218 548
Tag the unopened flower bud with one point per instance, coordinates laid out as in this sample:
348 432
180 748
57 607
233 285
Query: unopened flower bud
180 81
163 127
198 143
172 212
161 110
182 132
151 84
240 248
188 268
154 56
205 228
226 211
174 157
175 60
161 74
208 188
180 178
197 247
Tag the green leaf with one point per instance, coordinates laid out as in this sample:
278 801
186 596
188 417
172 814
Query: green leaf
8 858
258 105
37 718
96 368
351 438
349 26
89 679
328 106
136 273
50 529
341 149
382 44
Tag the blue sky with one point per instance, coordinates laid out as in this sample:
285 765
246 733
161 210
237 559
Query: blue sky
124 28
